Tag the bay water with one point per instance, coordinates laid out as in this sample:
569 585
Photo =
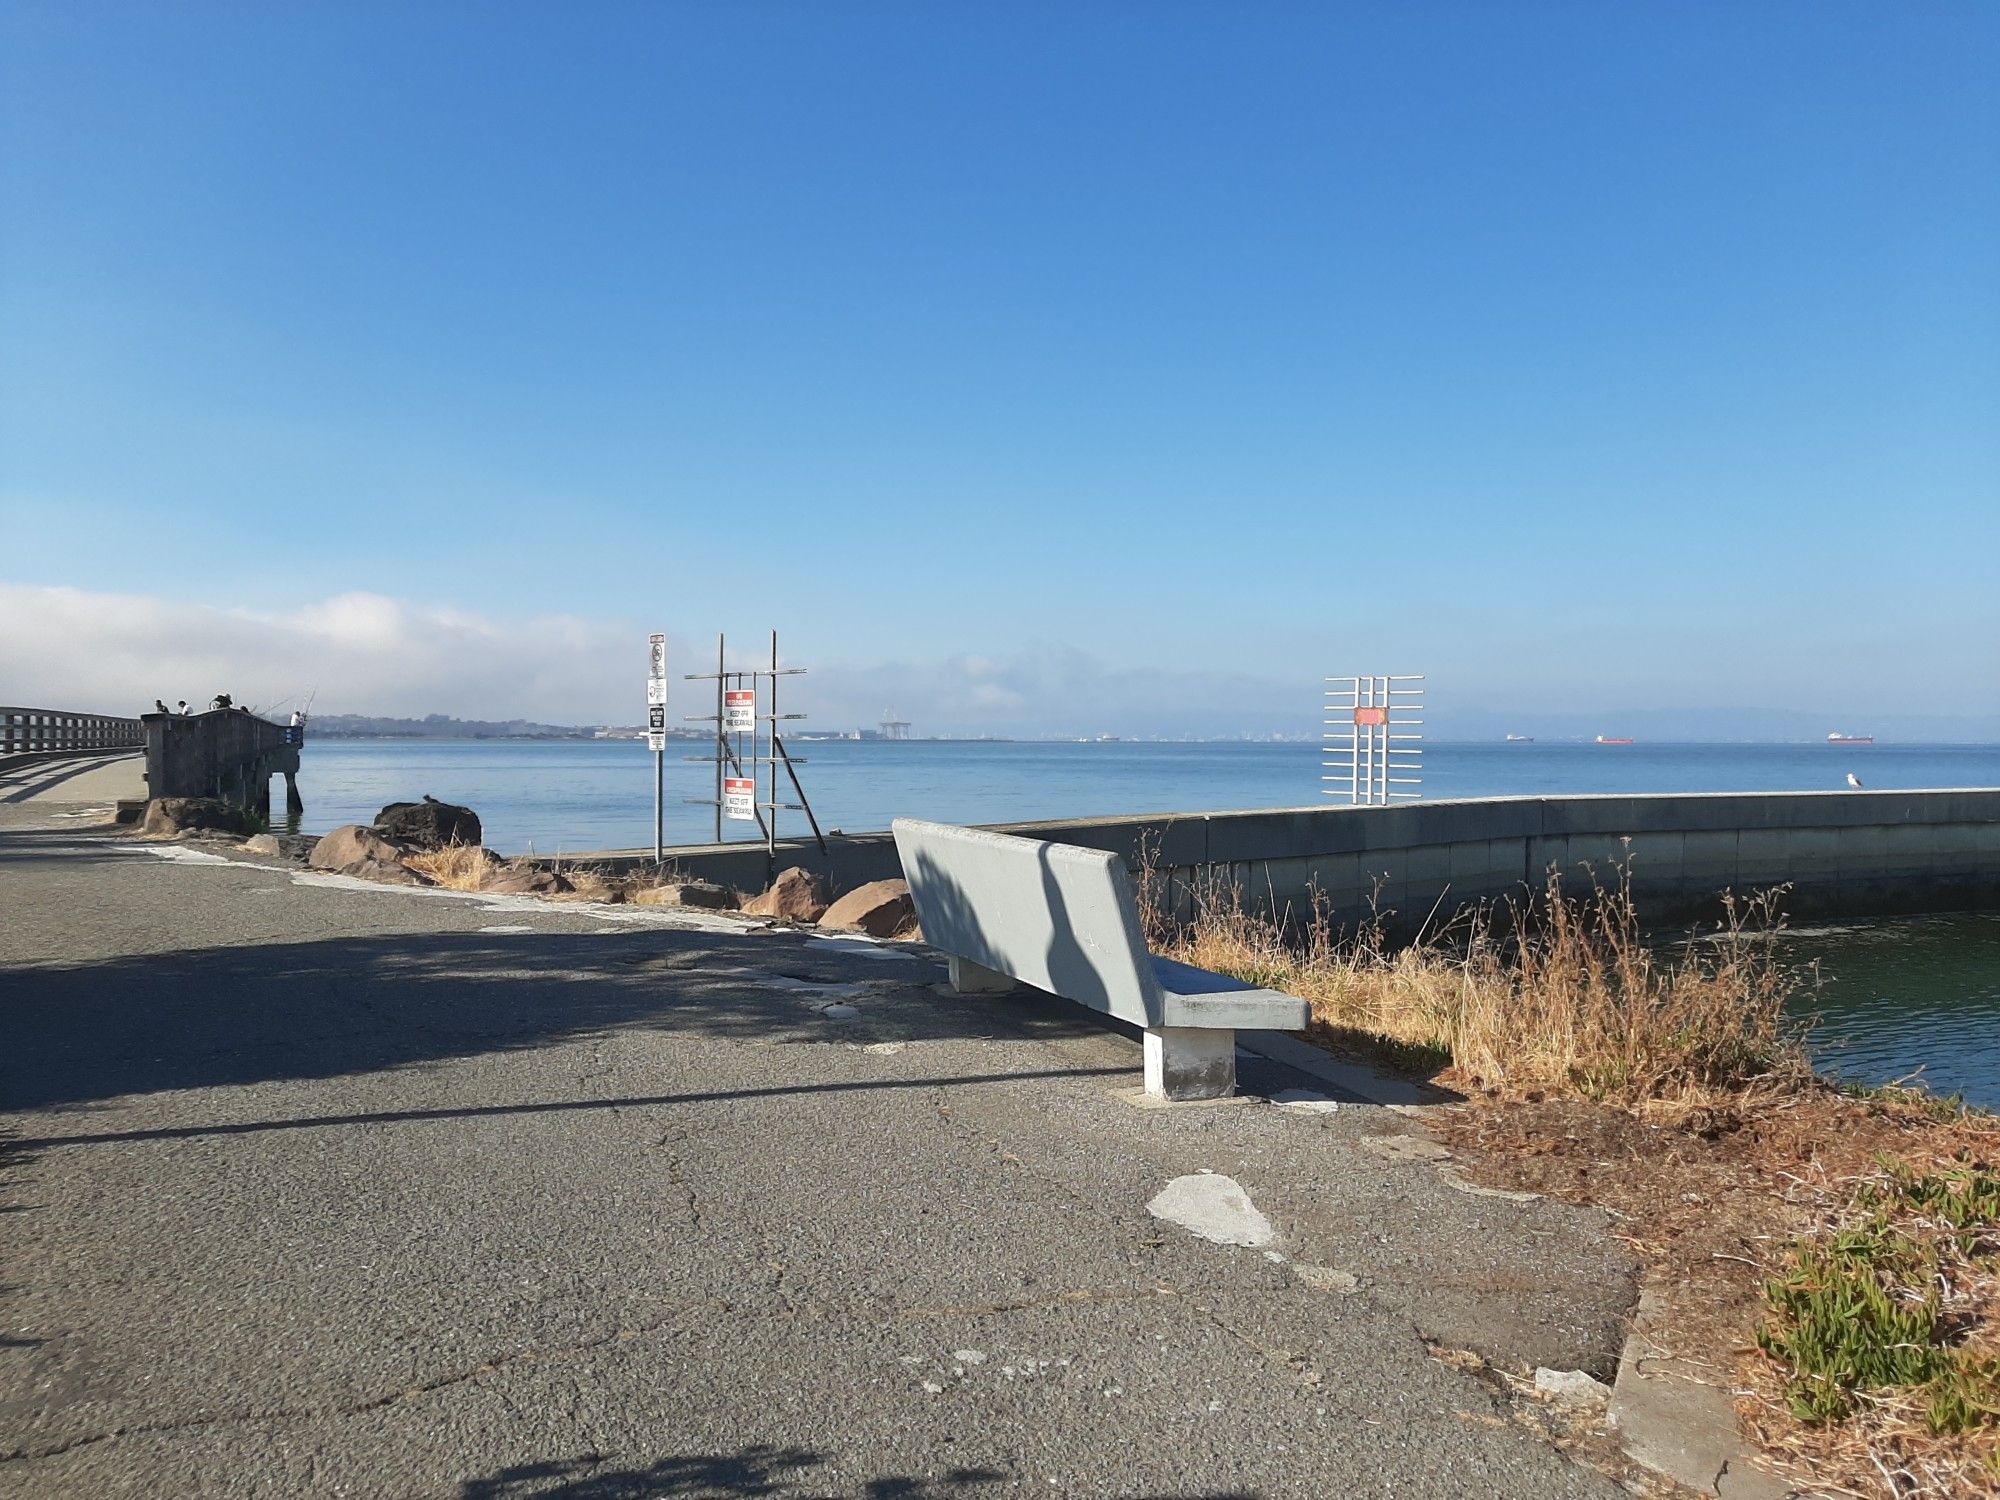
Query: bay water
568 796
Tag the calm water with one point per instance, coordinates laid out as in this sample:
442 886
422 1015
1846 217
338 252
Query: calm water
1900 996
1915 993
571 795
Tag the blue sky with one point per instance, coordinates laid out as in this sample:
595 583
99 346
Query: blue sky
1047 364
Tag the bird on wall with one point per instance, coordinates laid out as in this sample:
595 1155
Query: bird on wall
1854 781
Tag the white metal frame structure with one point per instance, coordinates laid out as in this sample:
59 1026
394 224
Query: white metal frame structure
1373 731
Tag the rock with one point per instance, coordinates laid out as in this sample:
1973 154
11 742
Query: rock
588 885
429 824
797 895
700 893
350 844
1571 1387
365 854
263 843
1327 1279
168 817
881 908
385 872
528 882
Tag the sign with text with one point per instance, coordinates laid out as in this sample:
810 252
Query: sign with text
656 717
656 741
1367 715
656 672
739 798
739 711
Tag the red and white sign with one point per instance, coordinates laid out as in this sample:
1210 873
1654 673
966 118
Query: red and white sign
739 798
1371 716
739 711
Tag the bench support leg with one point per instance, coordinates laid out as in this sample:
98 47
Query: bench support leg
969 978
1190 1062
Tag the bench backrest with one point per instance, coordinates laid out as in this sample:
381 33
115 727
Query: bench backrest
1052 915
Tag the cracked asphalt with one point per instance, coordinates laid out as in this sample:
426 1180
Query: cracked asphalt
313 1189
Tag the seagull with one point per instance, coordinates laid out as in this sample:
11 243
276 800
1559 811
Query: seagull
1854 781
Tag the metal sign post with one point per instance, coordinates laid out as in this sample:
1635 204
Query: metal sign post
656 736
1368 733
736 715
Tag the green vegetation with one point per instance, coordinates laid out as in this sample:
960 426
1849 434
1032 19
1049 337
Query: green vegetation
1881 1315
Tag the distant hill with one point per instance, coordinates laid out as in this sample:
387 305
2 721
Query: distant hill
442 727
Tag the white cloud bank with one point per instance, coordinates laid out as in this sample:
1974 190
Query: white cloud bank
364 653
361 653
368 654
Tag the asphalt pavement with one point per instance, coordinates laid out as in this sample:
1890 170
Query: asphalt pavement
315 1188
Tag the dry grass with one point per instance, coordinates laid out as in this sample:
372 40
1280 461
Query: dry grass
456 867
469 867
1556 996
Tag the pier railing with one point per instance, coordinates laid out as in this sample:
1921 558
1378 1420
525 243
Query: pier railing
51 731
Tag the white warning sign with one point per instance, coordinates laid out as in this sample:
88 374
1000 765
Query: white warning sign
656 670
739 798
739 711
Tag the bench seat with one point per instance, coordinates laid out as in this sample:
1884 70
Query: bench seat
1063 919
1197 997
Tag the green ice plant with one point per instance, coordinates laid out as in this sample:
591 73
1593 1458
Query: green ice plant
1866 1311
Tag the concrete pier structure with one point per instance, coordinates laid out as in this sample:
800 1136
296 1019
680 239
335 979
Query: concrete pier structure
1856 853
226 752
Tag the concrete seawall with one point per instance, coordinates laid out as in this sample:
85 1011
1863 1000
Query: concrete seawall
1858 853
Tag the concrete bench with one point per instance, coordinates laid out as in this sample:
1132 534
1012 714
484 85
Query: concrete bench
1060 918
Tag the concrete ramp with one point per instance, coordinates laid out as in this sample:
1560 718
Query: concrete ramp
100 779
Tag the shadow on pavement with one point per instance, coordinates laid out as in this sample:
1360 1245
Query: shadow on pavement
208 1017
25 781
760 1470
555 1106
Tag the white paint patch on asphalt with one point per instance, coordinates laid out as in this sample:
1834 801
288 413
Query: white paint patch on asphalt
508 929
1215 1208
809 987
859 947
677 919
1305 1101
178 854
